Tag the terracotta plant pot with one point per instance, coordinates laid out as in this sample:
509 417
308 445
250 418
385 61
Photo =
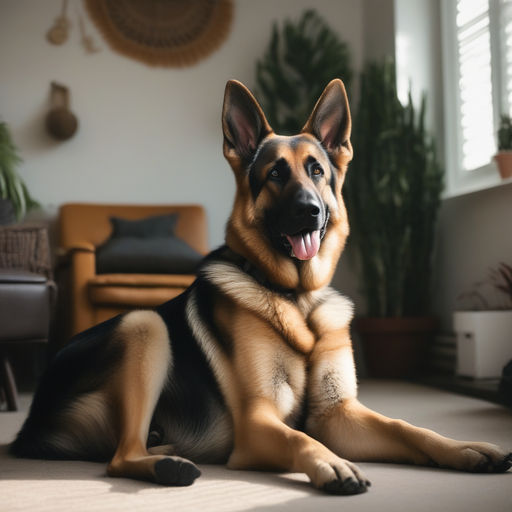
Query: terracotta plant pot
395 347
504 162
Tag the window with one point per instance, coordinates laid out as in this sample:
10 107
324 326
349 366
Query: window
477 44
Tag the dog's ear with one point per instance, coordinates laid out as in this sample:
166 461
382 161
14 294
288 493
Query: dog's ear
243 122
330 120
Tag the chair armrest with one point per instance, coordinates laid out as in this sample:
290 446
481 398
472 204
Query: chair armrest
83 246
83 268
64 252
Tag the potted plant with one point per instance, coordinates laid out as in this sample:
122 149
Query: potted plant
484 330
393 194
15 199
504 156
300 60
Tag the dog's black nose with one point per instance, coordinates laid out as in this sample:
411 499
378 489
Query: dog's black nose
300 210
305 206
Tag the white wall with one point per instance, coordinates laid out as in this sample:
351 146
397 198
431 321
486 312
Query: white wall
379 29
419 59
147 135
475 234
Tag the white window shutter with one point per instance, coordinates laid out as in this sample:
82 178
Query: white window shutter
475 82
506 52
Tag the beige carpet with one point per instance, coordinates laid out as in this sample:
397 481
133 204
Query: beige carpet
80 486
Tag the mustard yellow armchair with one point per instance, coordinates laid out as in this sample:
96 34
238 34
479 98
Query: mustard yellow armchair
83 227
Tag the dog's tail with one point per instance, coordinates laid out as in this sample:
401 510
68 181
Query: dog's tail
79 368
32 445
33 441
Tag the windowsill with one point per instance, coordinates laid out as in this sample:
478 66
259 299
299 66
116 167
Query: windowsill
476 188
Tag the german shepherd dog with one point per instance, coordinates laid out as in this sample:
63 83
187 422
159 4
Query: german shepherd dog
252 365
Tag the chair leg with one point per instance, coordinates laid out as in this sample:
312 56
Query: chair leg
8 383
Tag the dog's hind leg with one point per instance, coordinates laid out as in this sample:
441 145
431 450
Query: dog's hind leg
134 393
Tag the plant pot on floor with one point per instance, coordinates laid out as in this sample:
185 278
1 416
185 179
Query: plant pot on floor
395 347
504 162
484 342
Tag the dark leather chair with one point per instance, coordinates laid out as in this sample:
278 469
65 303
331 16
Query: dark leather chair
26 297
25 300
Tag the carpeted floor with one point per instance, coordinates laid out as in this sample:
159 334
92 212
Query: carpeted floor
33 485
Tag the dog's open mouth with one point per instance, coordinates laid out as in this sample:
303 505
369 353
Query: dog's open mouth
304 245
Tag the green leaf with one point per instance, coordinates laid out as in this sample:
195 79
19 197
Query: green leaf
11 185
392 191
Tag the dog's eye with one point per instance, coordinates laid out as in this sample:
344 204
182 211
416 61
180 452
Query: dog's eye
274 173
317 171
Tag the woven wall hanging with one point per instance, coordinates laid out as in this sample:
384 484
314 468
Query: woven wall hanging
173 33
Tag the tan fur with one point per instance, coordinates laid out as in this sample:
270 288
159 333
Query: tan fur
360 434
138 384
266 367
244 237
276 349
335 312
245 227
277 311
87 425
271 381
339 425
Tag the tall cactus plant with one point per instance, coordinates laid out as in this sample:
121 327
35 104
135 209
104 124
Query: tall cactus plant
393 194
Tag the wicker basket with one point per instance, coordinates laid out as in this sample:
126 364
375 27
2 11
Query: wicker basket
26 247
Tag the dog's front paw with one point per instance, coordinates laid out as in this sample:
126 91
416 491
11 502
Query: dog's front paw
489 459
339 476
482 458
175 471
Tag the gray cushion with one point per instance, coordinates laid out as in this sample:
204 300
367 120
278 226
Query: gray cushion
157 255
148 227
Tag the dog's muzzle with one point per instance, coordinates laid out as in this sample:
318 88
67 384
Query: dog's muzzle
302 225
305 246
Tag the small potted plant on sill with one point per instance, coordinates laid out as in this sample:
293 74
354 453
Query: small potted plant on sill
484 330
393 193
504 156
15 199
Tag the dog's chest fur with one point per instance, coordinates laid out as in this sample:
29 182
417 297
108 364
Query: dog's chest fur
271 337
258 344
268 368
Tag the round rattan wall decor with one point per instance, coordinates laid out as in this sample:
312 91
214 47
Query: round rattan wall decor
173 33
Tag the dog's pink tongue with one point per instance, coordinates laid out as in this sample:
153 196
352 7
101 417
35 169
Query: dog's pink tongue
305 246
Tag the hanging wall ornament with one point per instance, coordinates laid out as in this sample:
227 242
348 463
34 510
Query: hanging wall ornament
59 32
174 33
87 41
61 123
